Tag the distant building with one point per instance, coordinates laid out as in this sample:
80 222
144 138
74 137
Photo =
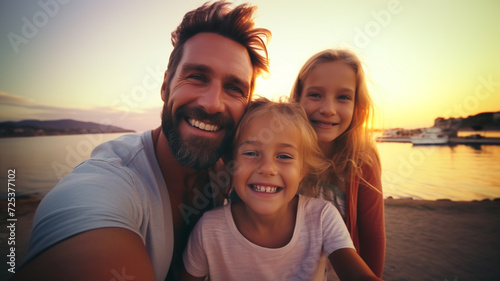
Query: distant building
496 116
448 126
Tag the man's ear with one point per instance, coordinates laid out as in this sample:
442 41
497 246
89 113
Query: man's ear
164 86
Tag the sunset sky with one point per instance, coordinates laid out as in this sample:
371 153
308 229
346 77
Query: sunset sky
103 60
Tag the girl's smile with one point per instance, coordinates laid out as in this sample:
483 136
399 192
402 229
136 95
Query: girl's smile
328 97
269 165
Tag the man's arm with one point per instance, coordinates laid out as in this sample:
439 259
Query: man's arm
100 254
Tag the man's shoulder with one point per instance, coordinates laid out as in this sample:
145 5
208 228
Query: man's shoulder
125 147
118 165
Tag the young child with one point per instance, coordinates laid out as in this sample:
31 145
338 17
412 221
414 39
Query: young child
332 90
272 233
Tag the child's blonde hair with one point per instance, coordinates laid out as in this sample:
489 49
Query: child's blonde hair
286 116
355 147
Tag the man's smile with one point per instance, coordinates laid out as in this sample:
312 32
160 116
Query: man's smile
203 125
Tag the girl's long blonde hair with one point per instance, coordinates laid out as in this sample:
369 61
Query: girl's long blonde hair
355 147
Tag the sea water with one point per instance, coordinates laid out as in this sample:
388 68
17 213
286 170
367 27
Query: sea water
457 172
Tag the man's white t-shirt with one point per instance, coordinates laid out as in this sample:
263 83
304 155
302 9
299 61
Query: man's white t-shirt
216 248
121 185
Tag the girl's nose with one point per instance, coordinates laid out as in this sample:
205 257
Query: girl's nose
328 108
268 167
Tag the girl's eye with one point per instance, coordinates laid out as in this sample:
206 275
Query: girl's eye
345 97
250 153
314 95
284 156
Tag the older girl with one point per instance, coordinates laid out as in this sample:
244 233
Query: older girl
332 90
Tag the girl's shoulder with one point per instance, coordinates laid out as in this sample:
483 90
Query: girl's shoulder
308 204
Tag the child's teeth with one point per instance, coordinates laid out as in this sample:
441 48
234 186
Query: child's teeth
266 189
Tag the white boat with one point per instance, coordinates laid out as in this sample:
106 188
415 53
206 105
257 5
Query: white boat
430 136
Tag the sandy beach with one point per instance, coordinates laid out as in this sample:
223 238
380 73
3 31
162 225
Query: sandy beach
426 240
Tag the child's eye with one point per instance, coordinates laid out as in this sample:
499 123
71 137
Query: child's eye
285 156
345 97
250 153
314 95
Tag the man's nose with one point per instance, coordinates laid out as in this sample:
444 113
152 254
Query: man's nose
212 99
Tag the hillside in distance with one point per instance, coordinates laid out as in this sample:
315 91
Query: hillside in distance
30 128
482 121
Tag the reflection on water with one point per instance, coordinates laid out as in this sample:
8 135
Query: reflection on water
40 162
486 134
459 172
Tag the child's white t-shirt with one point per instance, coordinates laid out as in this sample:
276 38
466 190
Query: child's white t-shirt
216 248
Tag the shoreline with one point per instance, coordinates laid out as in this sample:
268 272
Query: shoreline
426 239
451 141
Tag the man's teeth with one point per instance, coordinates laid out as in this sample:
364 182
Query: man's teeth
203 126
266 189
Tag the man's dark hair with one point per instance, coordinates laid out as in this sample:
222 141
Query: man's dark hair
236 24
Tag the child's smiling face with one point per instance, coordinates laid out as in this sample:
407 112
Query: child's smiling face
268 165
328 97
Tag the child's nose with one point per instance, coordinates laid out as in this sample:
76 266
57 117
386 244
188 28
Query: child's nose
268 166
328 108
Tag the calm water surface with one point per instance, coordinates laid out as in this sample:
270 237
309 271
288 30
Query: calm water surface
422 172
40 162
459 172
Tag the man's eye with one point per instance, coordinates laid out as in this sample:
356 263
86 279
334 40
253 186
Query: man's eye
236 90
196 77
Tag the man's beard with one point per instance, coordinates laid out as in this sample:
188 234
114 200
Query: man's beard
196 152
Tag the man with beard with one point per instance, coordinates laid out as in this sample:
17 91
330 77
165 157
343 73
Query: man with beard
125 214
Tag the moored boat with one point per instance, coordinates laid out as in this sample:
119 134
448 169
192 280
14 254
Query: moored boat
430 136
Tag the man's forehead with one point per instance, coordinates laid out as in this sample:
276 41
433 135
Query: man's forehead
216 51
